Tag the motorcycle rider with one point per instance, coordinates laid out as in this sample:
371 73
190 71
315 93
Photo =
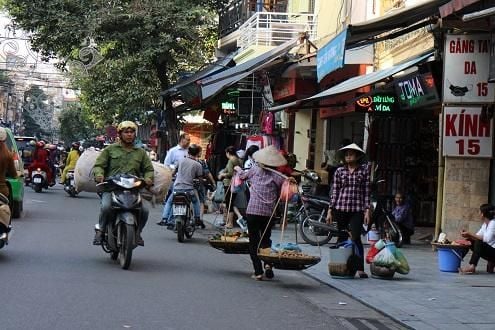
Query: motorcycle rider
70 162
122 157
40 160
188 169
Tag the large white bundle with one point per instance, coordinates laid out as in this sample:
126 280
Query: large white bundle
163 179
84 177
83 172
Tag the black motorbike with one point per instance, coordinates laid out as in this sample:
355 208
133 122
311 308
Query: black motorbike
122 231
182 211
69 185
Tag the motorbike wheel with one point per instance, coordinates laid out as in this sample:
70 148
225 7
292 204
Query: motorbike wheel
189 233
72 192
394 232
312 235
38 188
127 233
114 255
180 230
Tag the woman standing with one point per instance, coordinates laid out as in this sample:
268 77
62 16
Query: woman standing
7 169
350 197
226 176
265 185
483 242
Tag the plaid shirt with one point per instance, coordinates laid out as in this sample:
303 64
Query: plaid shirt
264 190
351 191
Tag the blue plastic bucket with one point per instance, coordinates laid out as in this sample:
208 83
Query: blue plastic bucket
449 260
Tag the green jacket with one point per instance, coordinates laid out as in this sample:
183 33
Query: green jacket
115 159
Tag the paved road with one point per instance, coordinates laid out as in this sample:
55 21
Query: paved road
53 278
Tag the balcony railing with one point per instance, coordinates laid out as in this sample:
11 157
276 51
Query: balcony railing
273 29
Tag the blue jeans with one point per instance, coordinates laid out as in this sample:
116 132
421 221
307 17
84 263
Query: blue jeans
167 209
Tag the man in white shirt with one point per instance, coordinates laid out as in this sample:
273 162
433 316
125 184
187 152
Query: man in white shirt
175 154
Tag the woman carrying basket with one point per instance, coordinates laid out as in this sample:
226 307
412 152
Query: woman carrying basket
265 185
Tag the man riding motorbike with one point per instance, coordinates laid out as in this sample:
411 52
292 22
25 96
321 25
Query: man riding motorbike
118 158
40 160
188 169
70 162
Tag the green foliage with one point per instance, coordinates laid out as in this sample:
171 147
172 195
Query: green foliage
75 124
144 45
33 100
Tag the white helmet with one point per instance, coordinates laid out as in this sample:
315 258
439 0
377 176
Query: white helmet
3 134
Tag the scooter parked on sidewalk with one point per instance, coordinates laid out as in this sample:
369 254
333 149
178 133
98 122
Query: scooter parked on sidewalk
69 185
122 232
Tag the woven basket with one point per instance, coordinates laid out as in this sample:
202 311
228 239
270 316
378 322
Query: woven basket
288 262
381 272
338 270
230 247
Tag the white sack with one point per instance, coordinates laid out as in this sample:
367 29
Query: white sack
83 172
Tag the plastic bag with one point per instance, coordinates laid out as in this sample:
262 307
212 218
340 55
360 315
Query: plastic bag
286 247
385 258
402 266
237 184
219 195
289 189
373 251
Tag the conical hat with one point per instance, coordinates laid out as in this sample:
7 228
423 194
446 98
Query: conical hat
351 146
269 156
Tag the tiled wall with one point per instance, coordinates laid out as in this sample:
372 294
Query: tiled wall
466 185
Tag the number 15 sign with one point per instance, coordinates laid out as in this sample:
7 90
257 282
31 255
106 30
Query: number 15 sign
467 133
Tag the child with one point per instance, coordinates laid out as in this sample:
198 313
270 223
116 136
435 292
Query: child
403 217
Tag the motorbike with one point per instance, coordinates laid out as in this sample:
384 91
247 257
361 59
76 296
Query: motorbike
39 180
5 217
122 230
182 211
69 186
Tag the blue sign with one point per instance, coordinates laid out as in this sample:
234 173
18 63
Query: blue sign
331 56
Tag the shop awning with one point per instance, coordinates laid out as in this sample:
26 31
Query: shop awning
407 19
453 6
216 83
210 69
357 82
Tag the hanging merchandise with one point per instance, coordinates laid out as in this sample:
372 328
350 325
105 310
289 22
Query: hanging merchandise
268 122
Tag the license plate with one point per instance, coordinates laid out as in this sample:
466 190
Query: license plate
37 180
179 209
71 182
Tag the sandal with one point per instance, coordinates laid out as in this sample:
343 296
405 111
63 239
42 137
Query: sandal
257 277
362 274
269 271
467 270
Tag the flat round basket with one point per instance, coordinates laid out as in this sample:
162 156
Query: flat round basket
230 247
289 262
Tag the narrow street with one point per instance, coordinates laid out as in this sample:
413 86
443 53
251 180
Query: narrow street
53 278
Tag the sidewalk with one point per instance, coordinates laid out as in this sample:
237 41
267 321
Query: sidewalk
426 298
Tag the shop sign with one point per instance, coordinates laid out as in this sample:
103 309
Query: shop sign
331 56
466 69
491 74
376 103
417 90
466 133
228 108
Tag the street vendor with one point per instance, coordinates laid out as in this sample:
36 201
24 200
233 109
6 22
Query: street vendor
265 185
483 242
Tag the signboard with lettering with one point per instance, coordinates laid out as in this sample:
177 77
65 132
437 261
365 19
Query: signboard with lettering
331 56
466 69
416 90
467 133
376 103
